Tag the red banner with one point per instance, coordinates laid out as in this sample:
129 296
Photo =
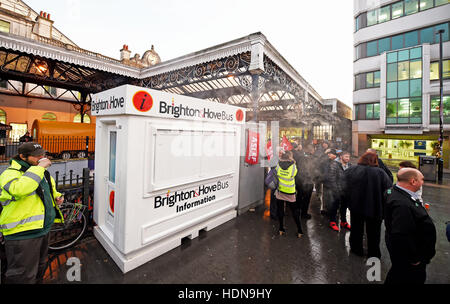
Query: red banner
252 148
286 145
269 150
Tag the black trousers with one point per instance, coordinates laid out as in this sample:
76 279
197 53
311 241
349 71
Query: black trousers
341 204
373 232
27 260
406 274
295 210
304 193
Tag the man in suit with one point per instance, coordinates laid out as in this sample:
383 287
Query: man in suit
410 231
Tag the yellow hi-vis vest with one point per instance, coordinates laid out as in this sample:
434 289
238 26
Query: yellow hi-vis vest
23 209
286 179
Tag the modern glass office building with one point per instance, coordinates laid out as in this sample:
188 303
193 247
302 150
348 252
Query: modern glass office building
396 77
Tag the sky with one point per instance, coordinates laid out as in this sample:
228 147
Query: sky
315 37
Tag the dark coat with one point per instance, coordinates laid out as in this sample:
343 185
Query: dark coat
410 231
364 190
306 166
336 177
385 169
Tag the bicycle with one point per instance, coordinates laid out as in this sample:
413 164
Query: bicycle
65 235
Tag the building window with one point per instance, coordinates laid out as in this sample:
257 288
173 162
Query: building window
86 118
404 87
397 10
411 6
434 109
426 4
49 116
384 14
372 17
409 39
434 69
50 90
441 2
394 11
17 131
323 132
2 117
370 111
4 26
367 80
3 84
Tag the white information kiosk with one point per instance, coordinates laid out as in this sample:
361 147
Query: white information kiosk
166 167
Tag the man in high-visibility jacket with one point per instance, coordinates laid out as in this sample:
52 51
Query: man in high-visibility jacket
30 207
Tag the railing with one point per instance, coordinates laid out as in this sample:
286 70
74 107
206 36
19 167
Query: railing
57 147
77 189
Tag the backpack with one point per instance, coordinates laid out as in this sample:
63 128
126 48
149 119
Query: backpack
272 179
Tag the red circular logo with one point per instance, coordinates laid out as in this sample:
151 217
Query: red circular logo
142 101
111 201
239 115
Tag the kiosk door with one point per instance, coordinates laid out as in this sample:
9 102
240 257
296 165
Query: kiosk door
111 176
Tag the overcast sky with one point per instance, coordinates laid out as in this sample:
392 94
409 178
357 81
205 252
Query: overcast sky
315 37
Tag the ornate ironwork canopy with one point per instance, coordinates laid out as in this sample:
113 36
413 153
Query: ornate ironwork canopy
247 72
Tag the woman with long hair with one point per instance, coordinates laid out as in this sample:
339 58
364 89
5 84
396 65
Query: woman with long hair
365 185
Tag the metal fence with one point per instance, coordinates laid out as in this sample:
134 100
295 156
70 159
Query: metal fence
58 147
77 189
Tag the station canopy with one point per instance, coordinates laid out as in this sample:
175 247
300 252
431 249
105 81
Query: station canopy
247 72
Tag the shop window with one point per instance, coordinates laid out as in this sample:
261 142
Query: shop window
2 117
4 26
86 118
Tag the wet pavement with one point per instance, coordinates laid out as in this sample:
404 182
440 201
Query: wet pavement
248 250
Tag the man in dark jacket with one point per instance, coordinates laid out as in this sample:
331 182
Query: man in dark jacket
304 180
410 231
337 183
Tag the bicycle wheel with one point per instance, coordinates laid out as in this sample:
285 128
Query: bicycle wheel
64 235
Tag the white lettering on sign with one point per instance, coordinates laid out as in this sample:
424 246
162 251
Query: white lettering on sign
102 105
180 198
180 110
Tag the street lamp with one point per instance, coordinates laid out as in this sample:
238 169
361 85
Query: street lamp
441 112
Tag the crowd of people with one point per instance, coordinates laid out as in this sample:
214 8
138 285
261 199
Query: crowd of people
366 189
